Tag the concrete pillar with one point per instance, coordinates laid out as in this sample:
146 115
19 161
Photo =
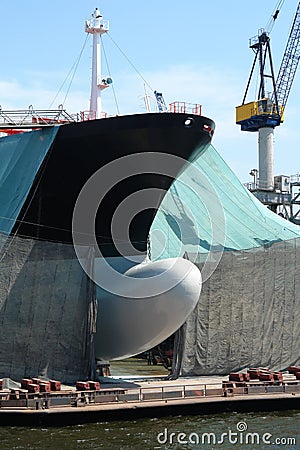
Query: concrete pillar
266 158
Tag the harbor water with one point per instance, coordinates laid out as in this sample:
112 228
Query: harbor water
276 430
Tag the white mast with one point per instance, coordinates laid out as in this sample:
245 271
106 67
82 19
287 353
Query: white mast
96 26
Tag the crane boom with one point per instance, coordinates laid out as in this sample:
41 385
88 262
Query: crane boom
269 111
289 63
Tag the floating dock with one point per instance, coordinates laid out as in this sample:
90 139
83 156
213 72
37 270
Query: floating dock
148 397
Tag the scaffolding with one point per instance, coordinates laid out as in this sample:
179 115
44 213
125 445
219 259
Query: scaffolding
295 199
31 118
284 199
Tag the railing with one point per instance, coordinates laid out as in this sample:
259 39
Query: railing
259 185
183 107
37 118
145 394
13 121
162 393
87 115
265 186
251 186
31 116
295 178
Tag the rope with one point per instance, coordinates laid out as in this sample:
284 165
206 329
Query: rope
75 65
20 222
109 73
73 68
149 247
132 65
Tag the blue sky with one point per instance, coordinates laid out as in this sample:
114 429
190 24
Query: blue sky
192 51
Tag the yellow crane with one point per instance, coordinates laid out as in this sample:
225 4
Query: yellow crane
267 112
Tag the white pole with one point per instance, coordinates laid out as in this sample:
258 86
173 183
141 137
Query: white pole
266 158
146 100
96 27
95 101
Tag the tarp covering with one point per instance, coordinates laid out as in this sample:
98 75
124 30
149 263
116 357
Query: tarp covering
208 209
48 306
47 312
21 156
248 311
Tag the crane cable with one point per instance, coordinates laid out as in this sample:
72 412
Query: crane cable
271 21
268 28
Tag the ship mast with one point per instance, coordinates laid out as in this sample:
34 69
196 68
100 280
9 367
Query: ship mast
96 26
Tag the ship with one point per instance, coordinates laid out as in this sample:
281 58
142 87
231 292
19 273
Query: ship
78 198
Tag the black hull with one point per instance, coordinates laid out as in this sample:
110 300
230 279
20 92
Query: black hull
81 149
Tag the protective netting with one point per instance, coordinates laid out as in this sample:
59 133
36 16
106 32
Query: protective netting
47 311
248 311
48 306
21 157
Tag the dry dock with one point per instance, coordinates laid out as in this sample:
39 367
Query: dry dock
155 397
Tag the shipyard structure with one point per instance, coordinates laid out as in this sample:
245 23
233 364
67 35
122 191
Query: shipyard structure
230 288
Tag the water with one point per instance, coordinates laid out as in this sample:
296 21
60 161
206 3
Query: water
277 430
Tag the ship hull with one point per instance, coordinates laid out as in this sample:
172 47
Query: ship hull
73 281
81 149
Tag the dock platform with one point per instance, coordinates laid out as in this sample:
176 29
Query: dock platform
135 398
